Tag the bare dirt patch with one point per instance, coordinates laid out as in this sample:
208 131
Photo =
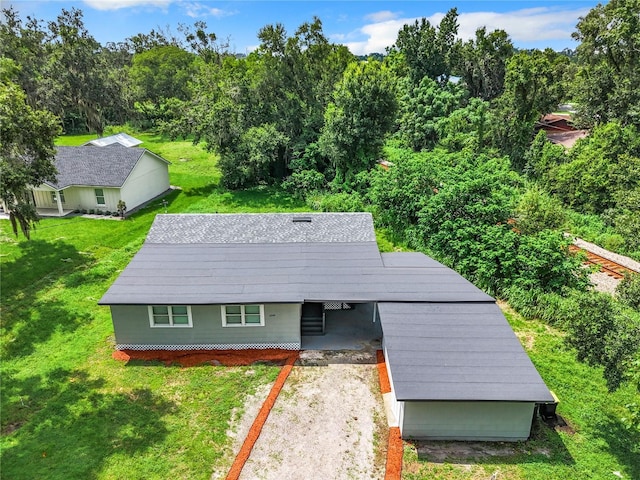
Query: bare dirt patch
326 423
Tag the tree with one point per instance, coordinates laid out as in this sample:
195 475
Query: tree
482 63
465 128
362 112
421 110
537 211
258 158
602 169
400 193
75 75
542 157
159 74
204 44
429 51
533 87
628 290
604 335
27 150
25 45
609 55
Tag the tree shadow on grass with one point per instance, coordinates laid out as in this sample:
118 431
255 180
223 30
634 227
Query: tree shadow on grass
40 262
63 426
623 443
30 316
204 191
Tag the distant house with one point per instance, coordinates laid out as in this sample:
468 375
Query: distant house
97 178
257 281
555 123
121 138
560 130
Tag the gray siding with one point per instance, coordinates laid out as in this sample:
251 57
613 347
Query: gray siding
487 421
131 326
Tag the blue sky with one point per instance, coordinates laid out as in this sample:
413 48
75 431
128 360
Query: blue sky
364 26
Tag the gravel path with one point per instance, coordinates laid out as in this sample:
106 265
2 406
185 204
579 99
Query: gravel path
328 422
615 257
601 281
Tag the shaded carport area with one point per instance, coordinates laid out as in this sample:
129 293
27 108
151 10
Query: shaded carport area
458 372
354 327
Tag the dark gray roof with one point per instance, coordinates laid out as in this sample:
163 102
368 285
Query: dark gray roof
457 351
208 259
95 166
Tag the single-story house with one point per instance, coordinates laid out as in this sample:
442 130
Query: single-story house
251 281
97 178
122 138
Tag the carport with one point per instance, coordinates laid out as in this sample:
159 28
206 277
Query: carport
353 327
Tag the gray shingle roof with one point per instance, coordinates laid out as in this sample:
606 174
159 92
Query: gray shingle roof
94 166
457 351
260 228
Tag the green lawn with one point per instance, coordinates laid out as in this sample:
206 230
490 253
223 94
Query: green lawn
69 411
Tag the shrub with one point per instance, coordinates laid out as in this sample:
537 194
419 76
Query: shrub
304 182
337 202
628 291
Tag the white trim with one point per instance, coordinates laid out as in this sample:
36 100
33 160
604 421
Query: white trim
211 346
170 314
104 197
242 323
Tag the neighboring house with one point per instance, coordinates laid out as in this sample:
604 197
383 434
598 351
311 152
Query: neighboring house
555 123
252 281
560 130
121 138
97 178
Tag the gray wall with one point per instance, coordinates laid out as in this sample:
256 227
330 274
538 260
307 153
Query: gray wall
499 421
131 326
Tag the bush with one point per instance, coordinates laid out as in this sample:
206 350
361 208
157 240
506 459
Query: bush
537 211
337 202
628 291
304 182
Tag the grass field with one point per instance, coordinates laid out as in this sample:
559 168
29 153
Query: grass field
69 411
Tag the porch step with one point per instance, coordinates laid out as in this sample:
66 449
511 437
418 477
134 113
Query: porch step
311 326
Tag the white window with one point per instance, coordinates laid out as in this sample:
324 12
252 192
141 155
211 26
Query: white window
53 197
100 196
243 315
170 316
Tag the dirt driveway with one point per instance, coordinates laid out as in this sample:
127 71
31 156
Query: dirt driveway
328 422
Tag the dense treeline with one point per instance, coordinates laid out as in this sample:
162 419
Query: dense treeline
470 182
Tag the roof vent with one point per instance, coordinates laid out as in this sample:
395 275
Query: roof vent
301 220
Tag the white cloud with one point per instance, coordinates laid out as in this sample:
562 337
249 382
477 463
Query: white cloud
197 9
526 25
382 16
118 4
